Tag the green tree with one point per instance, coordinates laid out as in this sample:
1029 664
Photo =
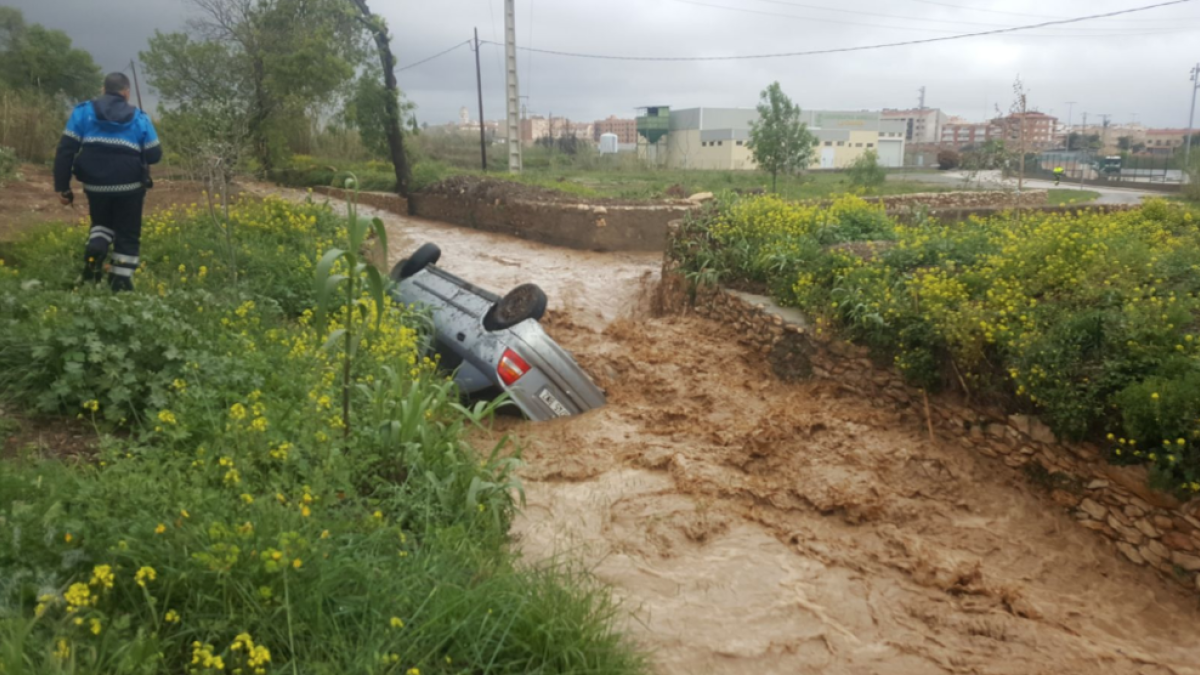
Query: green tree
259 61
367 110
35 58
377 27
779 141
866 172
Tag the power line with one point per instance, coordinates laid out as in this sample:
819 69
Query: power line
805 18
837 50
879 14
1112 30
441 53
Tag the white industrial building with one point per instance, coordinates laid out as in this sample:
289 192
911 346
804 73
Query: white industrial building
716 138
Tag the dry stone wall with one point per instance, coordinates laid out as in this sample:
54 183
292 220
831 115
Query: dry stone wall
1148 528
984 199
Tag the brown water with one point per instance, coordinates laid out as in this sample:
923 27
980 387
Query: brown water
752 526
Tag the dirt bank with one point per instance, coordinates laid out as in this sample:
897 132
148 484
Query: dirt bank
752 526
31 201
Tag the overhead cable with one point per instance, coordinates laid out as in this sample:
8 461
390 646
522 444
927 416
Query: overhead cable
838 50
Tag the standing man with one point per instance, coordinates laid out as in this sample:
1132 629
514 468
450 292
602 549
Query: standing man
108 145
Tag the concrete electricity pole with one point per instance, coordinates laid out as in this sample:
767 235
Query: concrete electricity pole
1187 142
513 108
1070 107
479 90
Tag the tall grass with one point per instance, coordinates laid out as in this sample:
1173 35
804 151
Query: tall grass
30 124
230 521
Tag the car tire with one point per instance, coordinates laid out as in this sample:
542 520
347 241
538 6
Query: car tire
526 301
427 255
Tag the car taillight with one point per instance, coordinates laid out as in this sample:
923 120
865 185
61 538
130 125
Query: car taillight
511 367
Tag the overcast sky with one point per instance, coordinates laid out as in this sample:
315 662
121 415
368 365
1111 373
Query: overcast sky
1134 65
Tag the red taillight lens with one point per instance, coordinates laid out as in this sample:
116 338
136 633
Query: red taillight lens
511 367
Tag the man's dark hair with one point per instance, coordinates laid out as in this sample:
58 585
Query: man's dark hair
115 83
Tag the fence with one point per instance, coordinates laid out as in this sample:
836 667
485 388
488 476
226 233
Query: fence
1164 170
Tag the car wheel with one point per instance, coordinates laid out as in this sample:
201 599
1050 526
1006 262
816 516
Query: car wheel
526 301
428 254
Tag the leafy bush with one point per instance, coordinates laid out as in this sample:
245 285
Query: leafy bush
230 520
866 173
8 165
1073 316
948 159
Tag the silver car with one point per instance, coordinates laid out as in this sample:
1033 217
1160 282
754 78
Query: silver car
494 342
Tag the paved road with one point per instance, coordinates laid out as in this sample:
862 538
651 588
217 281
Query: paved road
991 180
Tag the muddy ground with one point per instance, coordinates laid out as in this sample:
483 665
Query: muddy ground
31 201
752 526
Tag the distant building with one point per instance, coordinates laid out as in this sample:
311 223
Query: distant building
715 138
464 115
625 129
1165 141
956 132
537 127
1039 130
921 125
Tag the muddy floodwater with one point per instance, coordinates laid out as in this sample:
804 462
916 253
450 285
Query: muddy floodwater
754 526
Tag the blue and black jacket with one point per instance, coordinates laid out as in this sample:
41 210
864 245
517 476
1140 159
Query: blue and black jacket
104 145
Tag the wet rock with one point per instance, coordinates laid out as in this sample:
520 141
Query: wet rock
1040 432
1093 510
1131 552
1146 528
1129 534
1150 556
1185 561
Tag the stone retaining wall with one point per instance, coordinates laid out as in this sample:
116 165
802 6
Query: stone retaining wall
1148 528
987 199
959 215
384 201
581 226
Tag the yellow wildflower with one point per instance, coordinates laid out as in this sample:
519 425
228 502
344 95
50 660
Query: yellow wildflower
145 574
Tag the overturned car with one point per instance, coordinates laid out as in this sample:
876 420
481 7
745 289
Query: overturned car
496 343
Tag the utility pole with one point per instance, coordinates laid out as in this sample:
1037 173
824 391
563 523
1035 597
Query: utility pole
1187 142
510 64
922 99
136 87
479 88
1104 131
1070 108
1083 135
1021 175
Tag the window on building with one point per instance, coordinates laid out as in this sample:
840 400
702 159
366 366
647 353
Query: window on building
704 144
739 142
720 142
841 143
870 145
858 145
828 143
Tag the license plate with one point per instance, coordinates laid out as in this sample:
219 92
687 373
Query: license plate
558 408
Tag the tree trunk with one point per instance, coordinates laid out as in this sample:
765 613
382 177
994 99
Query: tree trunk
395 138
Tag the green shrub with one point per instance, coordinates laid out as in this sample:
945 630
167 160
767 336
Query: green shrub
8 165
866 173
1073 316
230 521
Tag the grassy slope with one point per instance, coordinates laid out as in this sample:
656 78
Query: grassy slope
1059 197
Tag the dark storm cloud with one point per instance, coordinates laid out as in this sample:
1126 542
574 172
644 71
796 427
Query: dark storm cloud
1137 64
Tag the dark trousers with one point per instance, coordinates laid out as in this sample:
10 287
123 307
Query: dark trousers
116 222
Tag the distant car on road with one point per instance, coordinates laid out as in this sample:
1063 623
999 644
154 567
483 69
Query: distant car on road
493 342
